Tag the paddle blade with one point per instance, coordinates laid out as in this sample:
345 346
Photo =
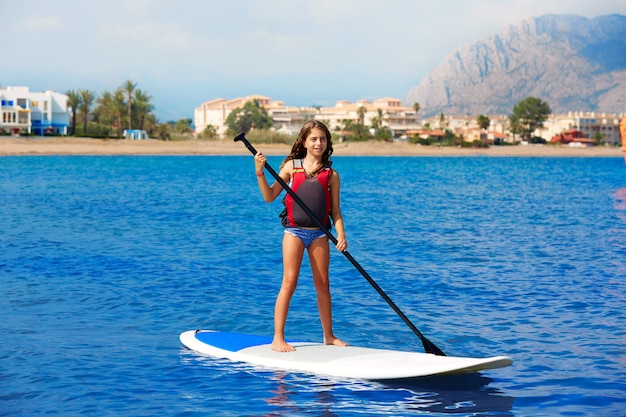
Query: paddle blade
430 347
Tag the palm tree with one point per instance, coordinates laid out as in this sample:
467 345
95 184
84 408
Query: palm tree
163 131
183 126
377 121
118 107
129 88
483 122
417 108
87 98
442 121
150 123
73 101
143 107
361 111
106 110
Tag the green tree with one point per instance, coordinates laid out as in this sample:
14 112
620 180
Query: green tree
450 139
443 124
514 126
348 125
73 101
113 108
209 132
142 107
162 131
381 132
384 134
87 98
417 108
118 107
377 121
104 112
150 123
530 114
361 111
598 139
251 116
183 126
483 122
129 89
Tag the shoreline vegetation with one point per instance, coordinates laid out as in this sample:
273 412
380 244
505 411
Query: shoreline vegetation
11 146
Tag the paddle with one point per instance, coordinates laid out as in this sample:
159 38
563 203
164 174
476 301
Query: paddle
429 347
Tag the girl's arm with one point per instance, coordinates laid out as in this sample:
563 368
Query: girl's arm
335 211
270 192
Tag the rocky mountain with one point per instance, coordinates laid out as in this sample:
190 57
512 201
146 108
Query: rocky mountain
570 62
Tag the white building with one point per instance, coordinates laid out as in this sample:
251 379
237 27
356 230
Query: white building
591 124
215 112
396 117
35 113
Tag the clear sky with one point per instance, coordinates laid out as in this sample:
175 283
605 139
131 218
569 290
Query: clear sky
304 52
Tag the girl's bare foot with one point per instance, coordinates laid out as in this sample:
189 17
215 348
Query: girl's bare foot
335 341
282 346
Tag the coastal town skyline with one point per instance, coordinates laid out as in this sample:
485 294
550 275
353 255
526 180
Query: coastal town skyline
51 113
304 53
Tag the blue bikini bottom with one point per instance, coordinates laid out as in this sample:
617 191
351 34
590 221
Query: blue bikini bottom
307 236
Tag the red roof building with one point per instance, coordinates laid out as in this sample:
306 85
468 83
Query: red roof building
571 136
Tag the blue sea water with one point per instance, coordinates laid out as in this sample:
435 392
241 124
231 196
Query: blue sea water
105 260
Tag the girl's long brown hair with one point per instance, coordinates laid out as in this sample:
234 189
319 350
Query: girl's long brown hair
299 151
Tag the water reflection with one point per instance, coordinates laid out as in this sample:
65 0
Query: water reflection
451 395
294 394
619 202
469 393
286 392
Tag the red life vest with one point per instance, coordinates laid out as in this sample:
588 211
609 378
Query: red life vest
314 193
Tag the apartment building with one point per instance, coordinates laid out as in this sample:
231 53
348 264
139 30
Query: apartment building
37 113
591 124
215 112
395 116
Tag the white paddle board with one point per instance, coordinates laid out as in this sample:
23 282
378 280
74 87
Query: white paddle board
337 361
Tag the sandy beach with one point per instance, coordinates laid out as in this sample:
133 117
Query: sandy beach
87 146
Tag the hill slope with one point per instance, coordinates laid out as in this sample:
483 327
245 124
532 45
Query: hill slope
571 62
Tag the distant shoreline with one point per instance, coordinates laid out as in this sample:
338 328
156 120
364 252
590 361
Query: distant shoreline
10 146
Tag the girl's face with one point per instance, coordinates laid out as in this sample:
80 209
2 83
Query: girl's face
316 142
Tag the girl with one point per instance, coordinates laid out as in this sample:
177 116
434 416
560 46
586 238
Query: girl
307 171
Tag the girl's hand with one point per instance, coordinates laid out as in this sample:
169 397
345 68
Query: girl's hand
259 162
342 244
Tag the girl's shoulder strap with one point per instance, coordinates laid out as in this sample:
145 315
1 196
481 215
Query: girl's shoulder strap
298 165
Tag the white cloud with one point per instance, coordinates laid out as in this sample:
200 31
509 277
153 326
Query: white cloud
311 50
141 36
37 23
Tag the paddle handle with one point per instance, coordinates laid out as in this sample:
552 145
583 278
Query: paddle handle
429 346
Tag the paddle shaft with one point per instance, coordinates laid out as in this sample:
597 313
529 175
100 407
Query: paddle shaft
429 346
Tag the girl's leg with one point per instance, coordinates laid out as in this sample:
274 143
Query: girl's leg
293 251
319 255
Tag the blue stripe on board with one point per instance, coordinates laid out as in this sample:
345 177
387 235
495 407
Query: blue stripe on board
232 341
